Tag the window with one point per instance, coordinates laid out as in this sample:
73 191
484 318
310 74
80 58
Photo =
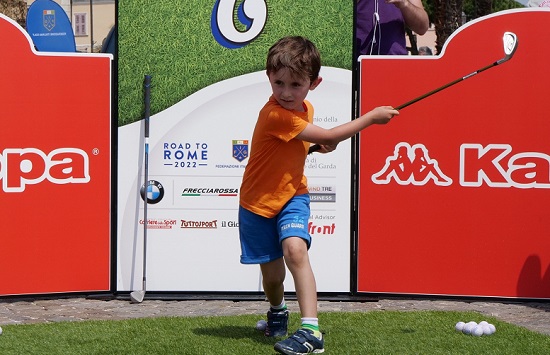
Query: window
80 28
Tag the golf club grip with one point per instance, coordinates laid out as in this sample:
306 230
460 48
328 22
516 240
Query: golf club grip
147 102
313 148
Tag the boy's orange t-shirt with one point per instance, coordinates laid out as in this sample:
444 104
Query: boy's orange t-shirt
275 170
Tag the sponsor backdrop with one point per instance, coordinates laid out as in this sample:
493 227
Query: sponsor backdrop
55 161
454 192
199 147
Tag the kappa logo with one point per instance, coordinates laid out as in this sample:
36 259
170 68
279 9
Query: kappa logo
495 166
492 165
411 165
28 166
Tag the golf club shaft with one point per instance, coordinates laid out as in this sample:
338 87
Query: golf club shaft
402 106
147 104
316 147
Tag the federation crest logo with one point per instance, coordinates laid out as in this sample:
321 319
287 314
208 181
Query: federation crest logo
155 192
240 149
48 19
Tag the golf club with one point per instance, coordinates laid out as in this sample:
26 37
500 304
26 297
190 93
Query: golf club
510 41
137 296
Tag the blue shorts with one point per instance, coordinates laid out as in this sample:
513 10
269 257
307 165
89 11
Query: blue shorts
261 237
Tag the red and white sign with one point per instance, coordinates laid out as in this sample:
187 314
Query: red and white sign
55 164
454 192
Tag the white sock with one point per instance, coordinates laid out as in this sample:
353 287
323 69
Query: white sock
311 321
279 307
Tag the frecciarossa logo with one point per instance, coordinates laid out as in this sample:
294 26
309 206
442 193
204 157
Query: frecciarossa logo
20 167
493 165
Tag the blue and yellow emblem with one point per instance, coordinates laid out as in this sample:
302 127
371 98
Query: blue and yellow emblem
240 149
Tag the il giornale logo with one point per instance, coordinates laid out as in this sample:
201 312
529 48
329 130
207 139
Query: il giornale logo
493 165
252 14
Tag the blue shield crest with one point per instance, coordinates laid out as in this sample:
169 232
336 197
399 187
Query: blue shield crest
240 150
48 19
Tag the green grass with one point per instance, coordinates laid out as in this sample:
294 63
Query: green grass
174 45
375 332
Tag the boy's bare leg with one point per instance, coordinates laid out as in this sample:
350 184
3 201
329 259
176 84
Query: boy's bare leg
307 339
297 260
277 318
273 276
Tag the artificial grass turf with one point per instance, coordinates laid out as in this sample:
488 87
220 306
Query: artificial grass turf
373 332
174 44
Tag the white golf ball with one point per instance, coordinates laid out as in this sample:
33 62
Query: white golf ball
486 330
477 331
459 326
468 327
0 330
483 323
492 327
261 325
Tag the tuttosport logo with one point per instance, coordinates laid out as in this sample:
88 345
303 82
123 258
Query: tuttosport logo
20 167
252 15
493 165
199 224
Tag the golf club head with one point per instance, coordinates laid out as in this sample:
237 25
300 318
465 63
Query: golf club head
137 296
510 41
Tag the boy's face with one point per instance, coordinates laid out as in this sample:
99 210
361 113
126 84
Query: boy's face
290 91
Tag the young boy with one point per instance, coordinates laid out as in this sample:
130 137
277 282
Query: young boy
274 200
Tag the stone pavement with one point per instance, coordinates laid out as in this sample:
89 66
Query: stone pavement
531 315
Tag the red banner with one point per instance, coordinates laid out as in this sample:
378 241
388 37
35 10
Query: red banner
55 158
454 192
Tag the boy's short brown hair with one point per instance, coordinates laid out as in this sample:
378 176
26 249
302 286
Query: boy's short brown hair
296 53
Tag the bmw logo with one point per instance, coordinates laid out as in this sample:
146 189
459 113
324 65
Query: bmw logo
155 192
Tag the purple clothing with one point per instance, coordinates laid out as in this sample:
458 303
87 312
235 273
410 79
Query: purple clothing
389 34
